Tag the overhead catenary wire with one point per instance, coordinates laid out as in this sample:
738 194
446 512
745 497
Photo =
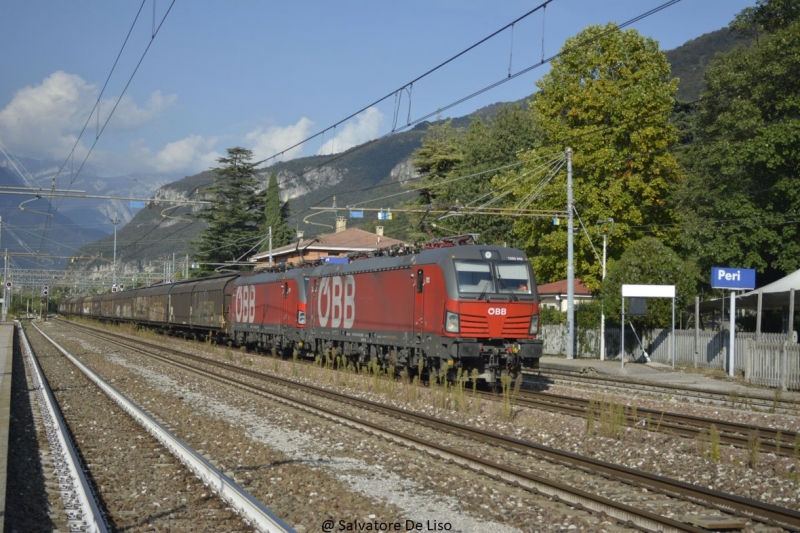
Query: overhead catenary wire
439 110
402 193
411 83
114 108
408 87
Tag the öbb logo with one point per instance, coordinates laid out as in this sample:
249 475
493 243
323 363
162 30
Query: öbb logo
498 311
245 303
336 302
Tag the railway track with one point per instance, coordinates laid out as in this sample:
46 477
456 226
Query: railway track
82 510
252 513
689 426
764 403
541 464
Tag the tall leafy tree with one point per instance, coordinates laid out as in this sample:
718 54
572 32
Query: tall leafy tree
275 215
607 96
766 15
235 218
459 167
742 196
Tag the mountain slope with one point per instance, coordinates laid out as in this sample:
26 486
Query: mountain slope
22 230
690 60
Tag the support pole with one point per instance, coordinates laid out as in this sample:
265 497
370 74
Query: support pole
602 311
5 277
672 342
605 227
696 329
570 264
622 336
758 316
790 326
114 221
732 337
789 341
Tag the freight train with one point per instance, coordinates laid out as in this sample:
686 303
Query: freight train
441 309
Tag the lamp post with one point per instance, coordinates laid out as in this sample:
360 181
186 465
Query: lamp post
604 227
114 221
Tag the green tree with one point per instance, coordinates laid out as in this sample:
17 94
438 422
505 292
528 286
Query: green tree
766 15
275 215
742 194
650 262
435 159
607 96
235 218
459 167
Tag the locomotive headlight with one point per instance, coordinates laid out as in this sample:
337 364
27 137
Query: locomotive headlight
534 325
451 322
301 317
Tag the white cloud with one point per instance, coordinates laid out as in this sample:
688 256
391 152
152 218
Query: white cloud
129 116
360 129
190 155
266 142
45 120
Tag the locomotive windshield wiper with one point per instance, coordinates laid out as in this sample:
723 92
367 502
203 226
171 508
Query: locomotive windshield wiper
486 288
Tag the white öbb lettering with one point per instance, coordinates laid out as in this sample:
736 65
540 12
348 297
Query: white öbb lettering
336 302
498 311
245 303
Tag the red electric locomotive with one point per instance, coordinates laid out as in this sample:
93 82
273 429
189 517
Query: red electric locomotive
268 310
448 308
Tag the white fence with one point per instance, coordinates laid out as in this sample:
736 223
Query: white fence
761 362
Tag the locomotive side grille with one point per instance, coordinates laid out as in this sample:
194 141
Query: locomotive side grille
474 325
516 326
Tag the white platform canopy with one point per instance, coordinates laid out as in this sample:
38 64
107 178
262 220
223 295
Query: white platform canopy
773 296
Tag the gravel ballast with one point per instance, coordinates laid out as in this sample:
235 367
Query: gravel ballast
319 470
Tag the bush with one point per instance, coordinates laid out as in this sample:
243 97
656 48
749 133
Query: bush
587 315
551 316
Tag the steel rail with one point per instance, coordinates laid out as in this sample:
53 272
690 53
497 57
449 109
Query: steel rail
690 426
251 509
744 398
83 511
553 489
753 509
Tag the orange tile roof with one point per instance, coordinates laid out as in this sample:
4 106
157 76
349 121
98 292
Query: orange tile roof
560 287
352 239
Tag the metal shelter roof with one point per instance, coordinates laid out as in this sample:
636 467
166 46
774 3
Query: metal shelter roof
774 296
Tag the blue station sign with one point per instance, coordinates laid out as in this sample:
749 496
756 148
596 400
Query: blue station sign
733 278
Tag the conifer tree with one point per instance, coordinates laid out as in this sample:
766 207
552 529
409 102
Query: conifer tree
275 216
236 218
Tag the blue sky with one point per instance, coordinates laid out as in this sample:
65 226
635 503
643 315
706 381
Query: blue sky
265 75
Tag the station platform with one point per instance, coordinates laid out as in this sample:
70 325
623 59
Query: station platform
662 374
6 365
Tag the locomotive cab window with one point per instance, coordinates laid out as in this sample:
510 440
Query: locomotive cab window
513 277
474 276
